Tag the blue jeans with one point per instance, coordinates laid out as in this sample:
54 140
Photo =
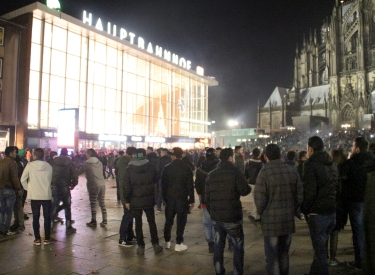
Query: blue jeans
60 193
355 210
277 254
235 232
126 227
320 228
35 207
207 225
7 200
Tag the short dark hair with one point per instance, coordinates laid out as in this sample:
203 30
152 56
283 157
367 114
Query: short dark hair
64 152
150 148
121 153
291 155
91 152
372 147
237 147
226 153
9 150
165 150
52 154
272 151
131 150
361 143
256 152
316 143
219 148
39 153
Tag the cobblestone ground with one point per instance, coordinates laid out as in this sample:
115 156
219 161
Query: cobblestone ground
96 250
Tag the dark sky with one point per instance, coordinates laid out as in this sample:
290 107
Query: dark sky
249 46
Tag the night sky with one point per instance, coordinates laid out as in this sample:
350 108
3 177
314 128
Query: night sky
248 46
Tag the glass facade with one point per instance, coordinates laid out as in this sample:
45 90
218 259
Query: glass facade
117 93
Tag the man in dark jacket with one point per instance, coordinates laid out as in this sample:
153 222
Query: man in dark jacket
178 194
152 157
368 220
277 195
252 170
320 184
164 159
64 179
224 187
207 166
355 176
139 194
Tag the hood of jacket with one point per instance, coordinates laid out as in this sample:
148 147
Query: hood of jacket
39 165
62 160
210 164
321 157
140 166
94 161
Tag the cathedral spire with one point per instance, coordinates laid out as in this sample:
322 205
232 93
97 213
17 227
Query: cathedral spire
304 42
310 38
297 51
315 39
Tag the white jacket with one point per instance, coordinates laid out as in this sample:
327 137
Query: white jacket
36 179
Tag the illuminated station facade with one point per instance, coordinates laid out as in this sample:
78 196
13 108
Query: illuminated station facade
127 91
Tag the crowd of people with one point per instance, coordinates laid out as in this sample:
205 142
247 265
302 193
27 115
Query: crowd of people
326 179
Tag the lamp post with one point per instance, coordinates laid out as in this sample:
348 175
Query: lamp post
232 123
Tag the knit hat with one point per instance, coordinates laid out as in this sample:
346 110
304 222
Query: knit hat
22 153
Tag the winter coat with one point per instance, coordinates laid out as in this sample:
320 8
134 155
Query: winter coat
224 187
278 194
63 172
239 162
122 165
201 175
252 170
152 158
140 182
355 176
94 172
162 162
36 180
320 185
177 184
8 174
111 161
368 219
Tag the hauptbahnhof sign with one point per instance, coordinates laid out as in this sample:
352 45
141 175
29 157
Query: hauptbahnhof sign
131 37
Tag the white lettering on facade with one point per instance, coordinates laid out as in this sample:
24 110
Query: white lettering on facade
167 55
87 19
132 35
159 51
175 59
123 34
99 25
141 43
149 48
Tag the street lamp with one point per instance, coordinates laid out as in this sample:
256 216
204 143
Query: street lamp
232 123
346 126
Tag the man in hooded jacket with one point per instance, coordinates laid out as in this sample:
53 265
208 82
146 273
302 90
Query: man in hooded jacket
95 186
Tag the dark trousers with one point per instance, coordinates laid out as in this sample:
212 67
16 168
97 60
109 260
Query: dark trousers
277 254
35 207
60 193
126 228
171 210
117 189
150 214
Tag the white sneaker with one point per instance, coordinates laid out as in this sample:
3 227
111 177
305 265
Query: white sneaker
180 247
167 245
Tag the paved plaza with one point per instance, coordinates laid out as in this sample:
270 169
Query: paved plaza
96 250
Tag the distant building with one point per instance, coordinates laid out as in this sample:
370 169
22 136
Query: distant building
333 79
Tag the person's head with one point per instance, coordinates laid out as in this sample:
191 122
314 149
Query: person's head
272 152
90 153
210 153
226 154
218 150
291 155
22 153
314 144
158 151
371 148
64 152
121 153
52 154
302 156
11 151
256 153
140 154
177 153
38 153
238 149
338 156
360 145
131 151
149 150
163 152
